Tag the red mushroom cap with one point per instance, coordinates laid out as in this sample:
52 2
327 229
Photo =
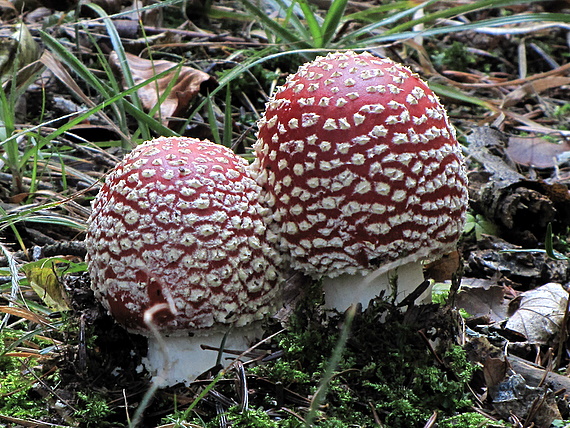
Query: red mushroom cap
360 167
178 223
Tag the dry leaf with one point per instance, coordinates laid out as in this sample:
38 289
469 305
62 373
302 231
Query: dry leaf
483 301
188 83
6 4
495 371
540 313
534 87
24 313
44 281
536 151
444 268
152 17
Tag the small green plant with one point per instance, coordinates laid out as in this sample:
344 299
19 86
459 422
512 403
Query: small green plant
478 225
299 26
549 245
92 409
312 32
549 249
562 111
456 56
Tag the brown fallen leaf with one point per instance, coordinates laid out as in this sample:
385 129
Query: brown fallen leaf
495 370
534 87
540 313
188 84
444 268
482 299
24 313
536 151
5 4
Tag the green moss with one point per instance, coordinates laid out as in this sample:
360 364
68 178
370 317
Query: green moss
282 371
92 409
455 56
17 395
19 377
467 420
259 418
386 366
251 418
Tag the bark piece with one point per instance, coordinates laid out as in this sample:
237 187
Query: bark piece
527 268
519 206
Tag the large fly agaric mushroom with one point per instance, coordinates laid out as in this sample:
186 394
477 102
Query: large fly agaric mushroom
177 251
362 173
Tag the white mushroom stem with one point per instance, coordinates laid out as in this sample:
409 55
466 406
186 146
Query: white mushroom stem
344 290
180 359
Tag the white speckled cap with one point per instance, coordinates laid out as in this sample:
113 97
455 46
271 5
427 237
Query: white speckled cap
178 223
359 167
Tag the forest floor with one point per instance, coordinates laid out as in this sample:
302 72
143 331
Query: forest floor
492 350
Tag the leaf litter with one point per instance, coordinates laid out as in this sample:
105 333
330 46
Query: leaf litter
538 314
173 92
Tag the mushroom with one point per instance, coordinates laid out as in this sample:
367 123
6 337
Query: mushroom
178 251
362 174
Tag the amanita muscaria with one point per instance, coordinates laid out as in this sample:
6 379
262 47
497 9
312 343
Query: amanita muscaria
178 251
362 173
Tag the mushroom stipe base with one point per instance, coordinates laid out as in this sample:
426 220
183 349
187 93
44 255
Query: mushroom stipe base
181 359
344 290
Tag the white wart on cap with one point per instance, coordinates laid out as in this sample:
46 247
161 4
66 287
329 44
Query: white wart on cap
177 232
359 167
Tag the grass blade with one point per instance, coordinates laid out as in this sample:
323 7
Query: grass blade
492 22
74 64
377 13
390 19
120 51
212 120
453 11
76 118
312 23
228 122
332 20
7 128
320 394
274 27
293 11
455 94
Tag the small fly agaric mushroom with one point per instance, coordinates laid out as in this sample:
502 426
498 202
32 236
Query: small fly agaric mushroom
178 251
362 173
